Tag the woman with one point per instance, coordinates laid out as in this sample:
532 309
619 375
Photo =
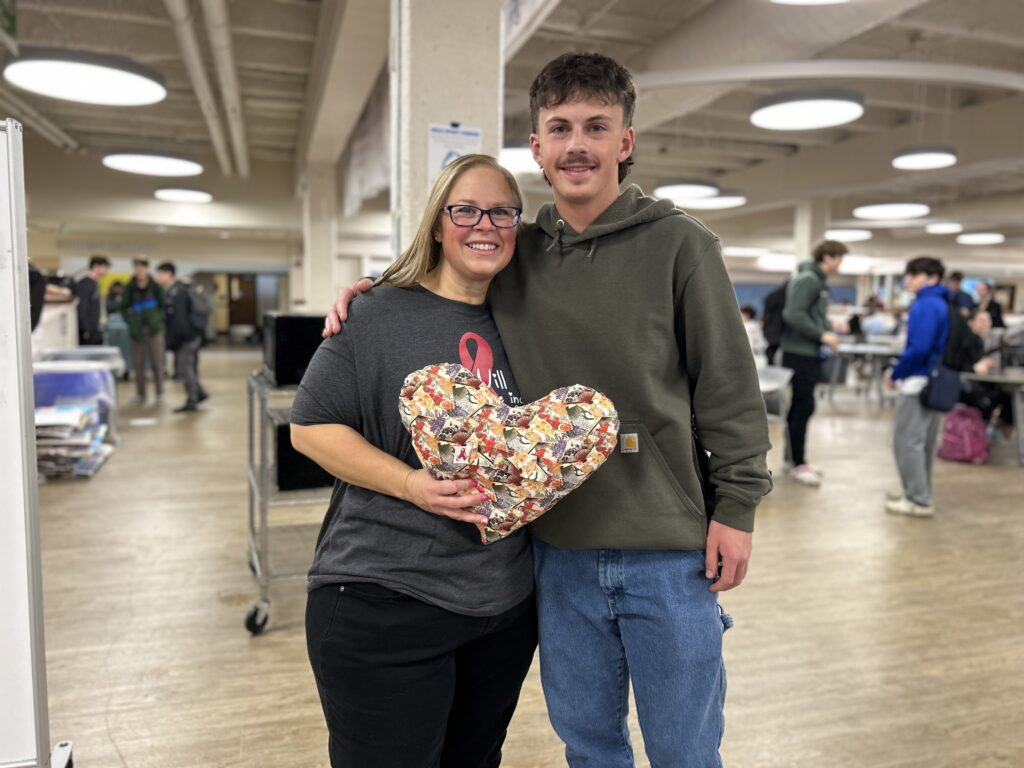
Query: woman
419 636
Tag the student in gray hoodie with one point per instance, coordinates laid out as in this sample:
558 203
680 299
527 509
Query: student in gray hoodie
629 295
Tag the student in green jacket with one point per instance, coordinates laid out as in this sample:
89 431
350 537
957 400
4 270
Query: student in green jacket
143 308
629 295
806 330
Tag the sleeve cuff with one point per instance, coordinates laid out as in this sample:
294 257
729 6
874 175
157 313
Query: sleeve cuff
734 514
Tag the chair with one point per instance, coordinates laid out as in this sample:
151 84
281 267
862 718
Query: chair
774 381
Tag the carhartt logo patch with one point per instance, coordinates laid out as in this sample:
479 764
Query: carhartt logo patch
629 443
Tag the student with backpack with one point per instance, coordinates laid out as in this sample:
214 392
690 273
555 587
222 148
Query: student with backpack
930 345
186 313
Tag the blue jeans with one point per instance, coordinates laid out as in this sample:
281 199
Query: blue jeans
608 616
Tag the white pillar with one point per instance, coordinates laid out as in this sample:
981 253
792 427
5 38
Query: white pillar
446 67
319 212
809 225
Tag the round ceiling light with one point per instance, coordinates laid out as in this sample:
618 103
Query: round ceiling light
848 235
688 189
152 164
944 228
924 158
717 203
182 195
518 160
807 110
981 238
88 78
892 211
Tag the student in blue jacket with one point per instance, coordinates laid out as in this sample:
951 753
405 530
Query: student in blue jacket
916 428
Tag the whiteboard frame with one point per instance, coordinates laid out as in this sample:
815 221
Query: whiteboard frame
14 283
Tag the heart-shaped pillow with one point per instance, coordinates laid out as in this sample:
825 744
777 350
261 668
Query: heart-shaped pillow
524 458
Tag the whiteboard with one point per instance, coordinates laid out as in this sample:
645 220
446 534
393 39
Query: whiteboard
24 727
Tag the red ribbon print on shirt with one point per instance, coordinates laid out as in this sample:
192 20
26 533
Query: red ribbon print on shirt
482 363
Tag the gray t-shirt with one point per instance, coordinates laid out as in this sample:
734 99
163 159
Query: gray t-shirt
354 379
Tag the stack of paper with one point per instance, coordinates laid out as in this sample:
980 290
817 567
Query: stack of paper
69 440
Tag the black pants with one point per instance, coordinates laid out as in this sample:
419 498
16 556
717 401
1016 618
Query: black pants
806 374
405 684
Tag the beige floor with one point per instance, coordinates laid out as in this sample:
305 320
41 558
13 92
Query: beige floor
860 639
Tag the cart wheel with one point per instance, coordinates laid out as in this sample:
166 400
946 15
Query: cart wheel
256 618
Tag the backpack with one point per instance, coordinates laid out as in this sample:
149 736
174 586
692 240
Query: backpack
964 437
772 322
942 392
199 310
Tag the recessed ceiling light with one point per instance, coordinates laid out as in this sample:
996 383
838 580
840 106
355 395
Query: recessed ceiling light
724 200
981 238
687 189
848 235
809 2
181 195
744 250
152 164
924 158
807 110
88 78
892 211
518 160
944 228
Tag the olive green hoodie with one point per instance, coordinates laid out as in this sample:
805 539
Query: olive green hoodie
639 306
805 313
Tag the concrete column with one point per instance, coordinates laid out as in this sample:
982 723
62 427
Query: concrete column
319 211
446 67
809 225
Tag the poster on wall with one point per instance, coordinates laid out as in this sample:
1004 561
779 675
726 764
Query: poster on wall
447 142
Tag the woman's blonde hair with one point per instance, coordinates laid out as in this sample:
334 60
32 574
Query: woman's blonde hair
424 253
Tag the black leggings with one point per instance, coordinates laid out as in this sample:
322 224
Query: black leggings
806 374
405 684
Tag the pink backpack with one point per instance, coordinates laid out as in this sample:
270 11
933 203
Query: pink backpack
964 437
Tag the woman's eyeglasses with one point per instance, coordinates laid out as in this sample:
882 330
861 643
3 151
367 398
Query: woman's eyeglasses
503 217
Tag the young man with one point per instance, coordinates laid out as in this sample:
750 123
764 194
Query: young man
806 330
629 295
960 298
143 308
916 428
87 291
183 338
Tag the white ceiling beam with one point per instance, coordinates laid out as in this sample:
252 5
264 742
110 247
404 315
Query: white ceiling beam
350 51
764 32
218 33
521 18
36 121
184 29
965 32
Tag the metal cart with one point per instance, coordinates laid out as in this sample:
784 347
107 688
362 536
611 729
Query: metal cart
264 493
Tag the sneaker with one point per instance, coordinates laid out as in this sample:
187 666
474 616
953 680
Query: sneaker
904 506
805 475
186 408
203 395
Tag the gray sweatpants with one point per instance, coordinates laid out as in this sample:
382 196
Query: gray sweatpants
151 345
916 430
186 360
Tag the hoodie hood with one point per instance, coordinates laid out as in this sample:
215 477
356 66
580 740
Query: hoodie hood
631 208
939 291
812 266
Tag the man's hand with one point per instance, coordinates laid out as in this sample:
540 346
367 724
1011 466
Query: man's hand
339 312
447 498
731 547
830 338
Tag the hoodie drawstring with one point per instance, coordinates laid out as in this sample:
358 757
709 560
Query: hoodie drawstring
593 248
559 226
